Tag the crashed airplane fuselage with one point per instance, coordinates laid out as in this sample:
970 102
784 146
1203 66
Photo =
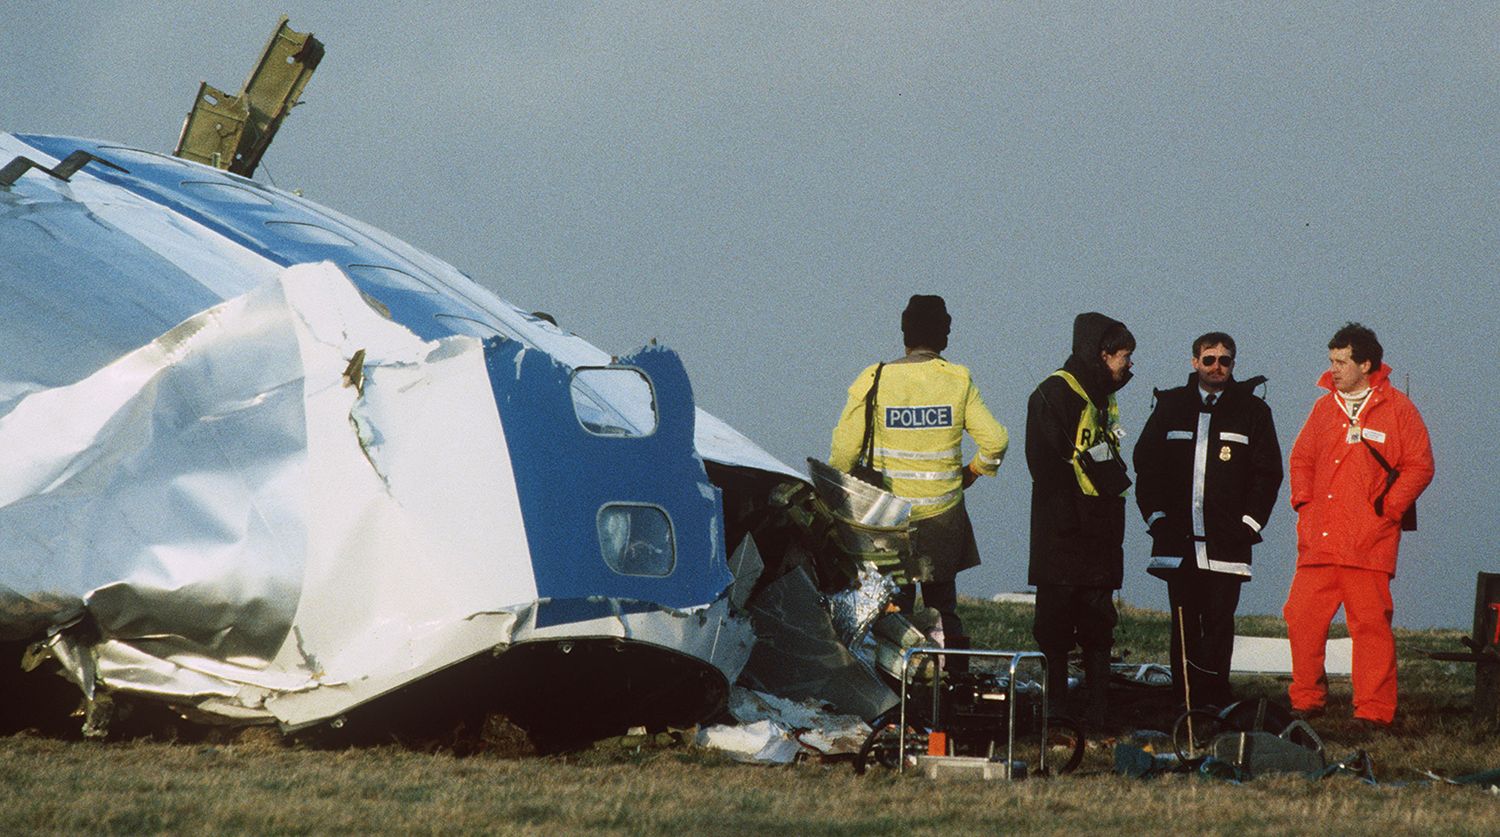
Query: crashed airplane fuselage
263 463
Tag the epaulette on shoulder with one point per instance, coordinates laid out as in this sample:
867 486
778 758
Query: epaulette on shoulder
1251 384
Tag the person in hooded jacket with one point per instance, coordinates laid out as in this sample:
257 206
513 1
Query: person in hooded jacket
1357 468
1208 470
1078 480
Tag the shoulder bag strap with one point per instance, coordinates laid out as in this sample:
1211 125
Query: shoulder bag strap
867 449
1390 475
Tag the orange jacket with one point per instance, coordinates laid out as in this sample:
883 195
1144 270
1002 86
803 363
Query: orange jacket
1335 481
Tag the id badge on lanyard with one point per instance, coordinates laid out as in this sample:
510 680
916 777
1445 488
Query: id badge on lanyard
1352 434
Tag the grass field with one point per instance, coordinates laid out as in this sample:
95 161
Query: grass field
258 785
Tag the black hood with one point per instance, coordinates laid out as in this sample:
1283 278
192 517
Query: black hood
1085 364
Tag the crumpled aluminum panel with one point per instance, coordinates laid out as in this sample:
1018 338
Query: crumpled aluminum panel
231 507
856 609
869 522
855 500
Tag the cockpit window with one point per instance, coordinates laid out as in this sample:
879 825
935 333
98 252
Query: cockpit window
614 401
637 540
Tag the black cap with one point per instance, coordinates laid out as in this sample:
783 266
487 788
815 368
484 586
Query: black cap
925 322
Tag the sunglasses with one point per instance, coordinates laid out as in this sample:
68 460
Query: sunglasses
1226 361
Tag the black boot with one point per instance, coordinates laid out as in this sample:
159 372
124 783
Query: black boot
1096 684
953 663
1057 684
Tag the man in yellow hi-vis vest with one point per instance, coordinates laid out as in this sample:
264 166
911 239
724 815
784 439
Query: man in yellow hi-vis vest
923 407
1078 481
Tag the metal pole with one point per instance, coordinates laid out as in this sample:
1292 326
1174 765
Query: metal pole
1187 695
911 655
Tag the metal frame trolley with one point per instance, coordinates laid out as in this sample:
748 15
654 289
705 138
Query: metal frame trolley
958 706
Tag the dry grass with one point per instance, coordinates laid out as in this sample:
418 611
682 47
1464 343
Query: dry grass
52 786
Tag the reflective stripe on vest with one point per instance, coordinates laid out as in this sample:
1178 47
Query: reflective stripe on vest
1094 426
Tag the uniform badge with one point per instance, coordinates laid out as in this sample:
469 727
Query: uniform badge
1352 436
1224 454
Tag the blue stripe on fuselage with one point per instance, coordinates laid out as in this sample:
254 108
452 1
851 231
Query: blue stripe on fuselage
564 475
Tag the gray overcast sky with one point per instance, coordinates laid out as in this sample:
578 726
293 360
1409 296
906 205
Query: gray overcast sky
762 185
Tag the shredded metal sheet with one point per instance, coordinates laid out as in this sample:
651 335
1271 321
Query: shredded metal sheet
233 536
871 524
799 656
774 730
857 501
856 609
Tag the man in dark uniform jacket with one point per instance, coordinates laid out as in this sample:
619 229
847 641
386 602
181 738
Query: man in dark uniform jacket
1078 481
1208 469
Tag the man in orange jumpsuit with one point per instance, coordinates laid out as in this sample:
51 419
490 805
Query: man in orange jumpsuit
1357 467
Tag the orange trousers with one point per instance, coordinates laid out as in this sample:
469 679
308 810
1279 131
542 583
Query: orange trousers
1315 597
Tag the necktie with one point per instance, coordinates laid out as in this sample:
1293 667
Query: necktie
1209 401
